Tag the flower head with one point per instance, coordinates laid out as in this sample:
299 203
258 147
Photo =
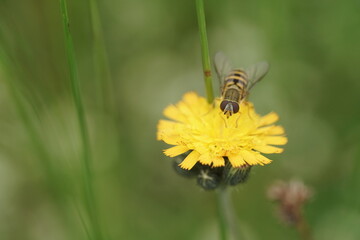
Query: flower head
291 196
202 129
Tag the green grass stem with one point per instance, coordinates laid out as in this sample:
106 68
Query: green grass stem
90 200
205 50
101 64
29 125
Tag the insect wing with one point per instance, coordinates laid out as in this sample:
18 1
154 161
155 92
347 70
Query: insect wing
256 73
222 67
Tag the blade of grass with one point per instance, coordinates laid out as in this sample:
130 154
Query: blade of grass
28 123
90 200
28 114
102 71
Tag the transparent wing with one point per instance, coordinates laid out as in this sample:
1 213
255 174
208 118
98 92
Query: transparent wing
222 67
256 73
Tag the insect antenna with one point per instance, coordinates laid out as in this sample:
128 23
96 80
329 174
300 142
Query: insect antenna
222 117
237 119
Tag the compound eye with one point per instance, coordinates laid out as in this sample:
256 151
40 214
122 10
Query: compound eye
235 107
223 105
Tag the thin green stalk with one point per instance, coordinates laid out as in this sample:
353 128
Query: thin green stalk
204 50
221 208
53 177
102 71
227 220
90 201
29 126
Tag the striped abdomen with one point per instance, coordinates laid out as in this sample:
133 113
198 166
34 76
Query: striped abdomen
237 79
233 91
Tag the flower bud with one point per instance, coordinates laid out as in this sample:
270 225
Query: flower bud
209 178
236 175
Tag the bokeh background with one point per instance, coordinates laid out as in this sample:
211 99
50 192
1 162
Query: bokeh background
152 58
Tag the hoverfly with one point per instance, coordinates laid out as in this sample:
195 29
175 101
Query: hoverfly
236 83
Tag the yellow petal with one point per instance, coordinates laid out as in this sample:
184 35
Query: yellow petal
205 159
194 105
236 160
247 112
276 130
164 124
189 162
171 139
268 149
174 113
191 98
185 109
262 160
276 140
270 130
269 119
249 157
175 151
218 162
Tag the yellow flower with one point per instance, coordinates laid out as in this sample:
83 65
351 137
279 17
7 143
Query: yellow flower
203 129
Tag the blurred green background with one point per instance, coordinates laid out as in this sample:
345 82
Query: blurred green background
153 58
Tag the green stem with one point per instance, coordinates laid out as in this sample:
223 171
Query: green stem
90 201
102 71
56 184
227 220
25 116
204 50
52 174
221 207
